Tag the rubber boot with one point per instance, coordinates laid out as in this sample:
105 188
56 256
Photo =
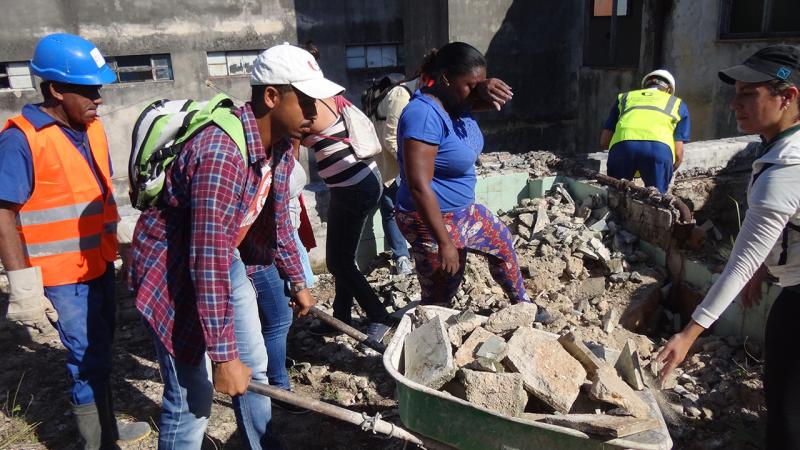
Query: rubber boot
114 432
88 421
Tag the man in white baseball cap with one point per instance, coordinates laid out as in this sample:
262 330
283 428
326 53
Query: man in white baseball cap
287 64
207 308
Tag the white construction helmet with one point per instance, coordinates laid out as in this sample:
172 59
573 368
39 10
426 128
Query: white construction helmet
664 75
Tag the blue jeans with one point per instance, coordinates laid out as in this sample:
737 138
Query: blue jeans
652 159
309 274
188 388
348 212
392 234
276 318
86 317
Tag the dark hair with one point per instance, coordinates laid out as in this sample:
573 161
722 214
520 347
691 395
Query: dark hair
44 86
777 87
454 59
311 48
257 93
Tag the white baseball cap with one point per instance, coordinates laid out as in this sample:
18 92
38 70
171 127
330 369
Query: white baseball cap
287 64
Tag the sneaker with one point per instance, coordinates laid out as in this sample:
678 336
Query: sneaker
403 266
376 331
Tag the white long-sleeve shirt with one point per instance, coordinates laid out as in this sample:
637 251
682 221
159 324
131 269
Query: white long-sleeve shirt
773 201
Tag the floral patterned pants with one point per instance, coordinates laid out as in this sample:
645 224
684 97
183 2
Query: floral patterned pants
473 228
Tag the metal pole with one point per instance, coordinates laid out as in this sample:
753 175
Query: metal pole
347 329
367 423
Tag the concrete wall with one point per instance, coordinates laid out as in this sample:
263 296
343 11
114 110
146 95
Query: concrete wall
333 24
187 30
533 46
695 54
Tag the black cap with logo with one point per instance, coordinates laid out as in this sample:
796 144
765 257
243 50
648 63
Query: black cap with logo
776 62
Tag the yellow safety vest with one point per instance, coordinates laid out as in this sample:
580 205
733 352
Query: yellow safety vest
647 115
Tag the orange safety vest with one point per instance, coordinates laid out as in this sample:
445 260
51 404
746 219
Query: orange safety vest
66 226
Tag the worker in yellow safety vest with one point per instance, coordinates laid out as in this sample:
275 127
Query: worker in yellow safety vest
58 224
645 132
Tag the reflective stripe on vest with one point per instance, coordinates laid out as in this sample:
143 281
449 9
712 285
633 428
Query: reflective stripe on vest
67 226
647 115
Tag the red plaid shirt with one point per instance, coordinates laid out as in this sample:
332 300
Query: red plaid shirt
182 250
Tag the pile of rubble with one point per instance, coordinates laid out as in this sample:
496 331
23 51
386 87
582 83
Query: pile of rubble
537 163
499 362
589 277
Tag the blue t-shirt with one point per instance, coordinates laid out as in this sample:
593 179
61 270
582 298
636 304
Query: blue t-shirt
16 163
682 130
460 143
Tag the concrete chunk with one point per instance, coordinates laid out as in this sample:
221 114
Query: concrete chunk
460 325
502 393
607 386
628 366
508 319
602 424
493 348
466 353
542 220
547 370
428 359
610 320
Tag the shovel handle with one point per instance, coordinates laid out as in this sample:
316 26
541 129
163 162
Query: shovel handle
347 329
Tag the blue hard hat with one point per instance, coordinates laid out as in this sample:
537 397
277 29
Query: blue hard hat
70 59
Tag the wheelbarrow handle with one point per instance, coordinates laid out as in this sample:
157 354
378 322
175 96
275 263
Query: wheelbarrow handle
367 423
347 329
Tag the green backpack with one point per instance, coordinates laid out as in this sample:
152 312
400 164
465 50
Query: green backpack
160 133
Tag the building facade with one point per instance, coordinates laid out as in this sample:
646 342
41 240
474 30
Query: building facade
194 49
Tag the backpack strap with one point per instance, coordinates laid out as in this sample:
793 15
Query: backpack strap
784 256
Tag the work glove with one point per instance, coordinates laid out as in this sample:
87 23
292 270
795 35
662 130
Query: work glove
27 305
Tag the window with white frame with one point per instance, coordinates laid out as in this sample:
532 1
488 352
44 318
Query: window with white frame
15 76
138 68
231 64
371 56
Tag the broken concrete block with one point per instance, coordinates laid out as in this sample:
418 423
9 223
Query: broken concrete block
583 212
564 193
574 267
616 266
502 393
485 365
510 318
493 348
466 353
547 370
619 277
608 387
542 220
581 352
428 359
628 366
524 232
460 325
602 424
591 288
610 320
526 219
600 225
600 249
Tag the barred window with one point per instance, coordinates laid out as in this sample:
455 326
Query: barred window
139 68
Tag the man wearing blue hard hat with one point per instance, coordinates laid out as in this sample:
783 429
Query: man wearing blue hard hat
58 227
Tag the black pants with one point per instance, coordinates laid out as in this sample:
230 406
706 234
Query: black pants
782 372
349 209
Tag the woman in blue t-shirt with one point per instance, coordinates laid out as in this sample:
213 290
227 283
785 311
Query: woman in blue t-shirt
438 144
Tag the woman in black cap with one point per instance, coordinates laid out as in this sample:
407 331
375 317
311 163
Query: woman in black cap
766 103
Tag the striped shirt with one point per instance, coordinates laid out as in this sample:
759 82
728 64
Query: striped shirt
336 162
